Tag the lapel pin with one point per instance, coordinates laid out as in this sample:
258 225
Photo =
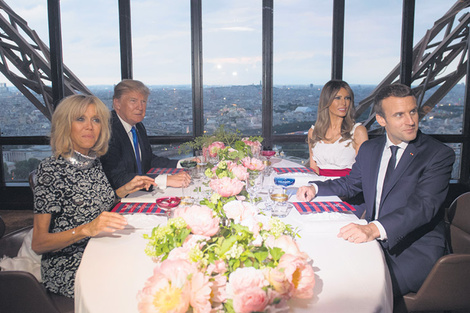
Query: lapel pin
411 153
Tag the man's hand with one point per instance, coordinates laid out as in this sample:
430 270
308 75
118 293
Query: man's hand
182 179
359 233
306 193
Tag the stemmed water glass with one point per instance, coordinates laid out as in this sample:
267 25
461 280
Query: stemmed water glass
254 184
189 166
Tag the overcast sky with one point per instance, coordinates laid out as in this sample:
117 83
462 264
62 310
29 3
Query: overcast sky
231 39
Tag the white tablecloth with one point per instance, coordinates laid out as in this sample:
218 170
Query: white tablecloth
349 277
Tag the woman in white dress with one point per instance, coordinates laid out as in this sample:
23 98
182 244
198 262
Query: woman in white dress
335 139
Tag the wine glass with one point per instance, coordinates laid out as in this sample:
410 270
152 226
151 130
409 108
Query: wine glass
268 154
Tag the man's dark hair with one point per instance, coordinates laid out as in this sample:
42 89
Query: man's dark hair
394 90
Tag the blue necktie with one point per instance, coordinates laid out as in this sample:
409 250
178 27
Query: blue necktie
390 168
136 148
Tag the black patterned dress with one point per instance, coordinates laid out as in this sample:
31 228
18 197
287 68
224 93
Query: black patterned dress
73 196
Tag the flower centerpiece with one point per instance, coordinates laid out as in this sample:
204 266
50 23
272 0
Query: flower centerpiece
221 255
204 265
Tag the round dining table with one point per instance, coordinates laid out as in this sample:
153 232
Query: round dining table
349 277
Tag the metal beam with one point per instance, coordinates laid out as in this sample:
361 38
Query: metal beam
338 40
125 38
267 74
408 17
196 66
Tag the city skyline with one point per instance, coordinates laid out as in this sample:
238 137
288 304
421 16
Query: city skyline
231 39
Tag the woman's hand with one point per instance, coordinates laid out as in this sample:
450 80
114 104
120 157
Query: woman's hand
44 241
105 222
137 183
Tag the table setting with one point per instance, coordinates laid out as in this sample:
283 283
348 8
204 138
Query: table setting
247 244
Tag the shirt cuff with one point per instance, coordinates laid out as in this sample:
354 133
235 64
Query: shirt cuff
178 165
383 233
160 180
316 188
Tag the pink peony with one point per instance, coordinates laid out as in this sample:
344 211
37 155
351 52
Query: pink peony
279 281
240 172
287 244
199 219
244 277
239 210
214 148
218 267
254 145
195 240
168 290
253 164
179 253
299 273
219 292
226 187
252 299
200 293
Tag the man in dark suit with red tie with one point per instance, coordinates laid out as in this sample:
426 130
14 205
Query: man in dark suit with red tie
129 152
403 204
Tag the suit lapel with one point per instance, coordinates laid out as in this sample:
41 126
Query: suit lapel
408 156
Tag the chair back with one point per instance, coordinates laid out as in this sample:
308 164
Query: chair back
459 218
20 292
32 179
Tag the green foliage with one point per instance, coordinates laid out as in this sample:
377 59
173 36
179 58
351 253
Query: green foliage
227 137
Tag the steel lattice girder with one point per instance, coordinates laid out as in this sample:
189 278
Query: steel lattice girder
25 62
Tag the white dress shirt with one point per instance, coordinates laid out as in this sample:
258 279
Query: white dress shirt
386 155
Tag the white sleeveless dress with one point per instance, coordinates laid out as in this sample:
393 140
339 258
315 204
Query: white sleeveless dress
337 155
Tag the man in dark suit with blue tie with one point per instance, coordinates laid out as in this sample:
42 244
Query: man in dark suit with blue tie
402 204
129 152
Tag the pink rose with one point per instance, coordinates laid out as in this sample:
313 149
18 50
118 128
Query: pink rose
253 164
199 219
200 293
226 187
299 273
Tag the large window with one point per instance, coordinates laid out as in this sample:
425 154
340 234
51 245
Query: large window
161 45
232 65
301 62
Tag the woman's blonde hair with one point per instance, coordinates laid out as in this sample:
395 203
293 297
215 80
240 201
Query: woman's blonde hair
323 122
68 110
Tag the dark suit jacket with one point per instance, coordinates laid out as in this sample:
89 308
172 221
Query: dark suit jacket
119 163
411 211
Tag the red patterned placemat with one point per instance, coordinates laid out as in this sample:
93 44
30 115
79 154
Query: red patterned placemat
129 208
317 207
164 170
282 170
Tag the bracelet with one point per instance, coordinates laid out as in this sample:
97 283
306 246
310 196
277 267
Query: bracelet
73 231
